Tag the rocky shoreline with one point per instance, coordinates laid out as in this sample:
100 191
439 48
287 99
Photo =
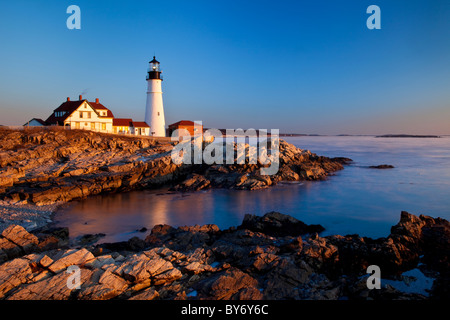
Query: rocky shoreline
272 257
41 169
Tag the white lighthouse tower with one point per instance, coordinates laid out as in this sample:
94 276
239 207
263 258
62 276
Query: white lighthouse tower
154 110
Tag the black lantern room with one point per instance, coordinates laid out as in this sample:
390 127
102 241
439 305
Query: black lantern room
154 72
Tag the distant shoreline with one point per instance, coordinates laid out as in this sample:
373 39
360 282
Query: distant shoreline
407 136
361 135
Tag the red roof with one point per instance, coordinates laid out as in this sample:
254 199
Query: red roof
99 106
70 106
122 122
140 124
184 123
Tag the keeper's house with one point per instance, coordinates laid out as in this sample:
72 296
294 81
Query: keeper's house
94 116
82 114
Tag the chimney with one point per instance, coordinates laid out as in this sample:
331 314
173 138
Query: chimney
81 97
96 100
68 99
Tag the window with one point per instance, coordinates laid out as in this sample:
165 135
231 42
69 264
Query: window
85 124
81 114
77 125
92 125
103 126
158 113
88 114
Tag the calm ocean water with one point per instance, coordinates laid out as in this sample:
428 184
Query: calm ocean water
355 200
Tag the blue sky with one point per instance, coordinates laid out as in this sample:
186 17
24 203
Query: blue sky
300 66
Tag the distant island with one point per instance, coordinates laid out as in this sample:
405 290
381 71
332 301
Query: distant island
406 136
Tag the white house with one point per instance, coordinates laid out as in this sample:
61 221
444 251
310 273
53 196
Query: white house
82 114
140 128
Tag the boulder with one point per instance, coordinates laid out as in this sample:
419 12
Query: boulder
21 237
109 286
71 257
140 267
147 294
12 274
278 224
229 284
285 278
193 182
9 250
52 288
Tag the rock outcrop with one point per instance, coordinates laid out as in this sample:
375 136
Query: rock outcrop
204 262
48 166
382 166
294 165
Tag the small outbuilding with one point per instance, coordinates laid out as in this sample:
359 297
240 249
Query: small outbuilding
35 122
192 127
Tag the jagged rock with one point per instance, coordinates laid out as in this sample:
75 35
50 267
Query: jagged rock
62 165
52 288
162 229
71 257
100 261
235 264
21 237
287 174
9 250
45 261
140 267
285 278
12 274
278 224
229 284
342 160
182 238
167 276
109 286
194 182
264 261
148 294
319 252
90 238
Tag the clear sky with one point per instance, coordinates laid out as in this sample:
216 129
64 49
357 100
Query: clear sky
299 66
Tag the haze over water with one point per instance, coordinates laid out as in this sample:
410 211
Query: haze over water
355 200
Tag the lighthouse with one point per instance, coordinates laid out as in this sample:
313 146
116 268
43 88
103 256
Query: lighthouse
154 110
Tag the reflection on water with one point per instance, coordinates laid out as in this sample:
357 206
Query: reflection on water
355 200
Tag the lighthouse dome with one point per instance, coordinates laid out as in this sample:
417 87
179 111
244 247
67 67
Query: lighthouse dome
154 65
